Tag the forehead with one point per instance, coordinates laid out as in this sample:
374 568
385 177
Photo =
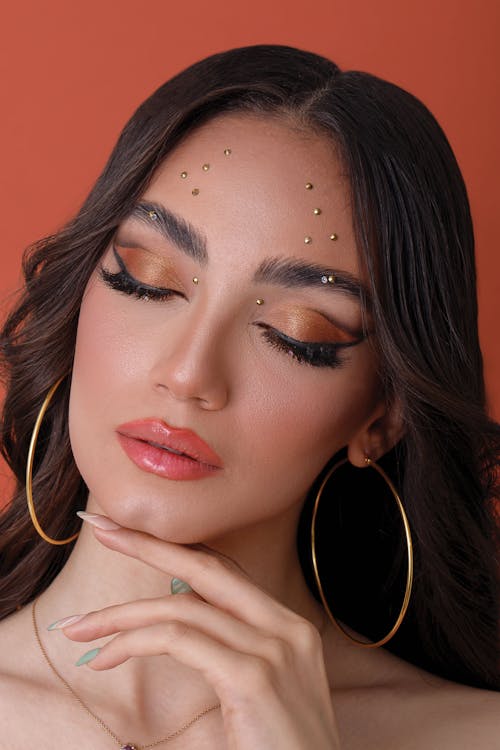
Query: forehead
245 182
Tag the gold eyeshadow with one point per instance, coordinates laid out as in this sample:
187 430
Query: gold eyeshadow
149 267
304 324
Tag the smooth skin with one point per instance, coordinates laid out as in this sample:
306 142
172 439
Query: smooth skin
251 636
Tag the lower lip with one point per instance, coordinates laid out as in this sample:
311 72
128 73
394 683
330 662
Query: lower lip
163 463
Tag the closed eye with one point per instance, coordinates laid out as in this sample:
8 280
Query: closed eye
316 354
123 281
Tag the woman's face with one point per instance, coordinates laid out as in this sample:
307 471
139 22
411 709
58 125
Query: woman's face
209 358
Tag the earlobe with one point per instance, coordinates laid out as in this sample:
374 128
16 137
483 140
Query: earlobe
378 435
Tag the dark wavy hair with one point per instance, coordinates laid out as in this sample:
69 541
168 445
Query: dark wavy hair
414 235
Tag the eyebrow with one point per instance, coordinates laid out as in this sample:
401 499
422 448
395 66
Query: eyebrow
286 272
293 273
173 228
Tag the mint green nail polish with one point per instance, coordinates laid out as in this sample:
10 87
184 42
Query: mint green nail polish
179 587
87 657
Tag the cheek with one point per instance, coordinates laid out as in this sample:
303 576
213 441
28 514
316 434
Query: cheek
295 424
107 354
108 348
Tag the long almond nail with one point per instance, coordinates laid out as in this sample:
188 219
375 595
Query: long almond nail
58 624
102 522
87 657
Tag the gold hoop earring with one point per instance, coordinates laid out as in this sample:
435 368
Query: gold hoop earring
29 469
409 546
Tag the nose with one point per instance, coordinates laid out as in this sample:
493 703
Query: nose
192 364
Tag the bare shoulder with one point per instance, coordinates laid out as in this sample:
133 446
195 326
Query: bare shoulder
436 714
398 706
20 671
457 716
30 707
12 635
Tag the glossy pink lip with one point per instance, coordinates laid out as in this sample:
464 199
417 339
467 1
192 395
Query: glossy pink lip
170 452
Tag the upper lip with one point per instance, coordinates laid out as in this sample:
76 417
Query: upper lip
157 431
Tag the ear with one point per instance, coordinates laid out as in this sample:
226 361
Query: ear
384 428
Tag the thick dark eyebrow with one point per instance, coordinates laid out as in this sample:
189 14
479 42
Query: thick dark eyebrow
173 228
293 273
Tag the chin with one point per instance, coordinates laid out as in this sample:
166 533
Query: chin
172 521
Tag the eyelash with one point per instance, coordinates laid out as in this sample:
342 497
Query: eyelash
313 354
122 281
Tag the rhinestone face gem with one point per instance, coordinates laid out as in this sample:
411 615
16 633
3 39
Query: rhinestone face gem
184 175
333 237
309 186
195 191
307 240
128 747
227 151
153 215
206 167
317 211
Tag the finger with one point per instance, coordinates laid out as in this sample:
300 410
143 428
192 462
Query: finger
193 612
214 578
218 663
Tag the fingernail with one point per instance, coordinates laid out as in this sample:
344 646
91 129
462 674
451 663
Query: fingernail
65 622
102 522
87 657
179 587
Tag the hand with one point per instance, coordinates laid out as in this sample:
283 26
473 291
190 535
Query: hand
264 661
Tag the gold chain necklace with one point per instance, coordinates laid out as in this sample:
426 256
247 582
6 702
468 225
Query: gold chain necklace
123 745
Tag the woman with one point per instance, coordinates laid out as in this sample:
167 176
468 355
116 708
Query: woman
268 297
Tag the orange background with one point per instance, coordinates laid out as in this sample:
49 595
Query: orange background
71 73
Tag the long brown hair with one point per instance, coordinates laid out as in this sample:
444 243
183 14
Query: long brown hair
414 235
